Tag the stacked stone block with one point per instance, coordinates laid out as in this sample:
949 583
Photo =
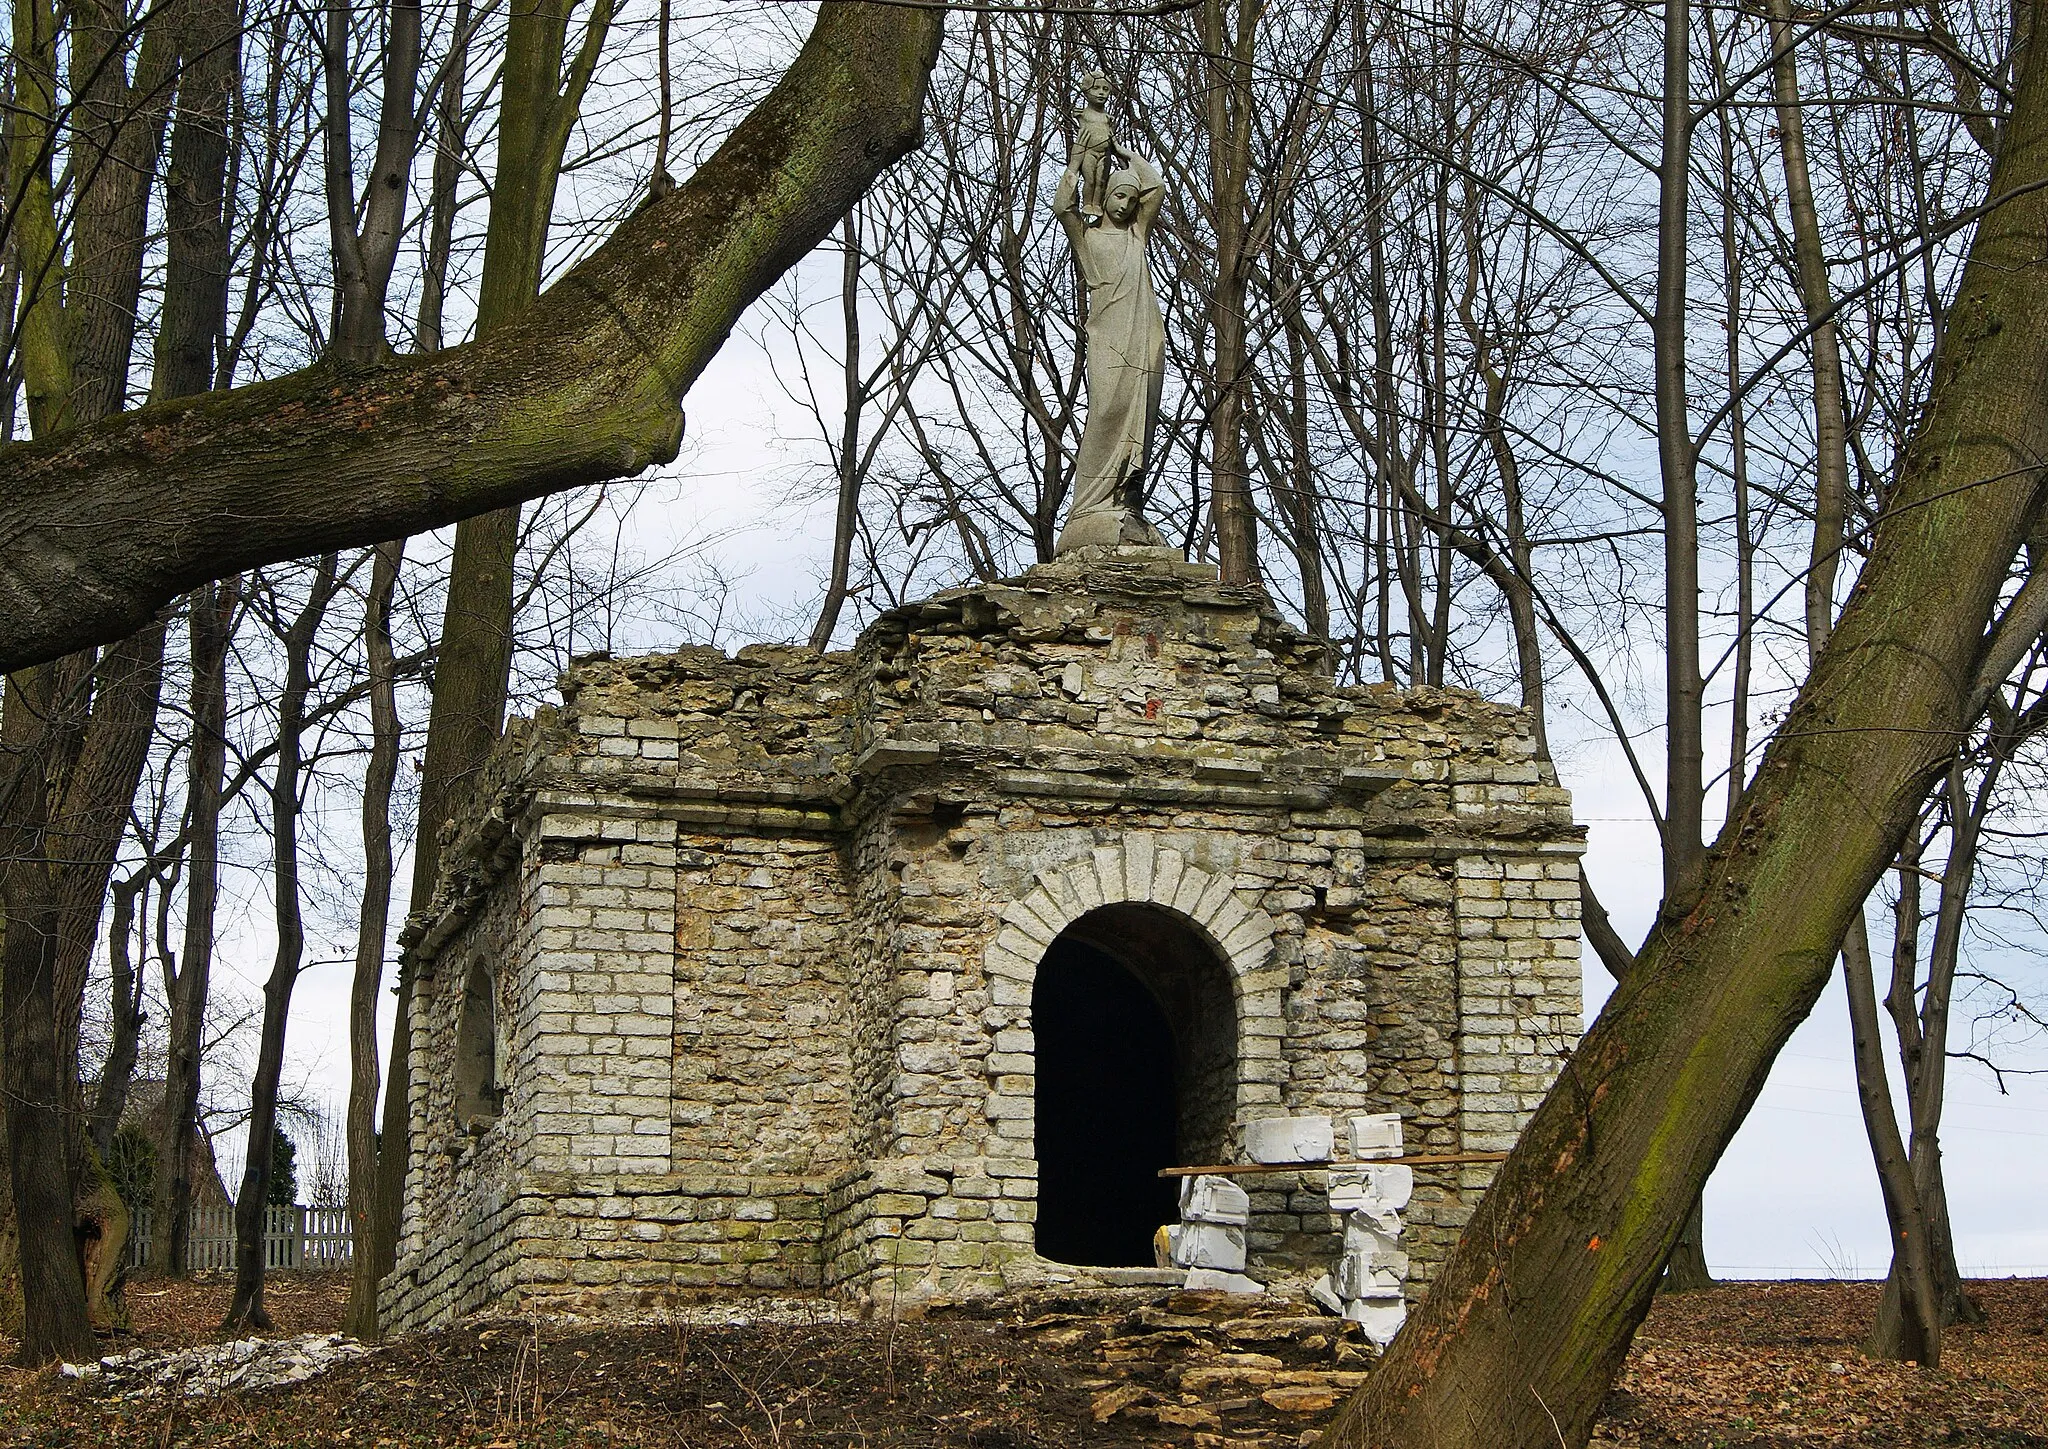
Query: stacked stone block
1209 1239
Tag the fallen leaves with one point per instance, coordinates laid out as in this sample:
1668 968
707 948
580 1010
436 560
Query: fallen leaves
1764 1366
1770 1364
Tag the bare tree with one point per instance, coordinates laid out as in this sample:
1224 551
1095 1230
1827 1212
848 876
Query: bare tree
298 638
373 926
213 614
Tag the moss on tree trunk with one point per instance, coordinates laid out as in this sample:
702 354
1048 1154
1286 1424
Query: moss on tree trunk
101 526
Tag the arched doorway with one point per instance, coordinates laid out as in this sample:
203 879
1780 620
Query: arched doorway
1135 1026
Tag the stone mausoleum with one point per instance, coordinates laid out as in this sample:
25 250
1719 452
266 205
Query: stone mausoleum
902 971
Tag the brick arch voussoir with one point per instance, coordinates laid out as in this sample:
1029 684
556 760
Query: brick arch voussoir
1137 871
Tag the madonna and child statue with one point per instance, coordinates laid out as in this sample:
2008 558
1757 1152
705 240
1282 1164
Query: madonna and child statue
1106 203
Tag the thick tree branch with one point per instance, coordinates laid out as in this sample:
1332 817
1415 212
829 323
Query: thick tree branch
100 527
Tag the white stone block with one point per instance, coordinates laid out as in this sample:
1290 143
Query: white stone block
1324 1292
1212 1199
1390 1187
1377 1135
1290 1139
1210 1280
1206 1245
1347 1191
1381 1318
1372 1189
1372 1232
1369 1274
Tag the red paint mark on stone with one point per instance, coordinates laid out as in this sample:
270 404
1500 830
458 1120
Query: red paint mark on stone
1152 708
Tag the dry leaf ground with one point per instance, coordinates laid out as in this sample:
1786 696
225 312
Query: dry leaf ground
1747 1364
1768 1364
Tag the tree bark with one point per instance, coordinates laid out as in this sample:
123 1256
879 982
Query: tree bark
846 513
467 711
194 314
1529 1321
1923 1290
109 523
1909 1315
1684 688
538 106
1830 420
40 339
373 927
42 1134
124 1000
1227 65
213 612
121 127
90 715
1686 1270
1684 685
196 261
449 138
363 258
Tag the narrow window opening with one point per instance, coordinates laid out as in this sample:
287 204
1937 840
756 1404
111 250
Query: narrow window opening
479 1052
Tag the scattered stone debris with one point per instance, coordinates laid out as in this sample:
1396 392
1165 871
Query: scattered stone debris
1762 1365
246 1365
1218 1362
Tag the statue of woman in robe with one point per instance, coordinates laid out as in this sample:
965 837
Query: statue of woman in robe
1126 356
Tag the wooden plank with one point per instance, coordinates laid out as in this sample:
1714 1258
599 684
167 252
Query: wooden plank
1420 1159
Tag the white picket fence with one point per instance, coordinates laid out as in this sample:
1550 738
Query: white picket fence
293 1237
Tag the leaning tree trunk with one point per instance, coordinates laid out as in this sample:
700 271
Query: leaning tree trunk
584 386
1529 1321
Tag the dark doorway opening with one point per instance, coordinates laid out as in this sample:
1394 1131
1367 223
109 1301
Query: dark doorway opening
1105 1110
1136 1029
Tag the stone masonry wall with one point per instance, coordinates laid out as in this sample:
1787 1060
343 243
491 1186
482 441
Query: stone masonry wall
1519 989
459 1250
762 1041
776 919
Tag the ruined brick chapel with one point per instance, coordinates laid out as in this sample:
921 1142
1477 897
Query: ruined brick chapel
905 969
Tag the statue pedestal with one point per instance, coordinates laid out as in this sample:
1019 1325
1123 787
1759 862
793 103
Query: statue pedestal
1134 561
1109 526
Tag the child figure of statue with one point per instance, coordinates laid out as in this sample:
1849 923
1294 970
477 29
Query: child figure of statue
1095 153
